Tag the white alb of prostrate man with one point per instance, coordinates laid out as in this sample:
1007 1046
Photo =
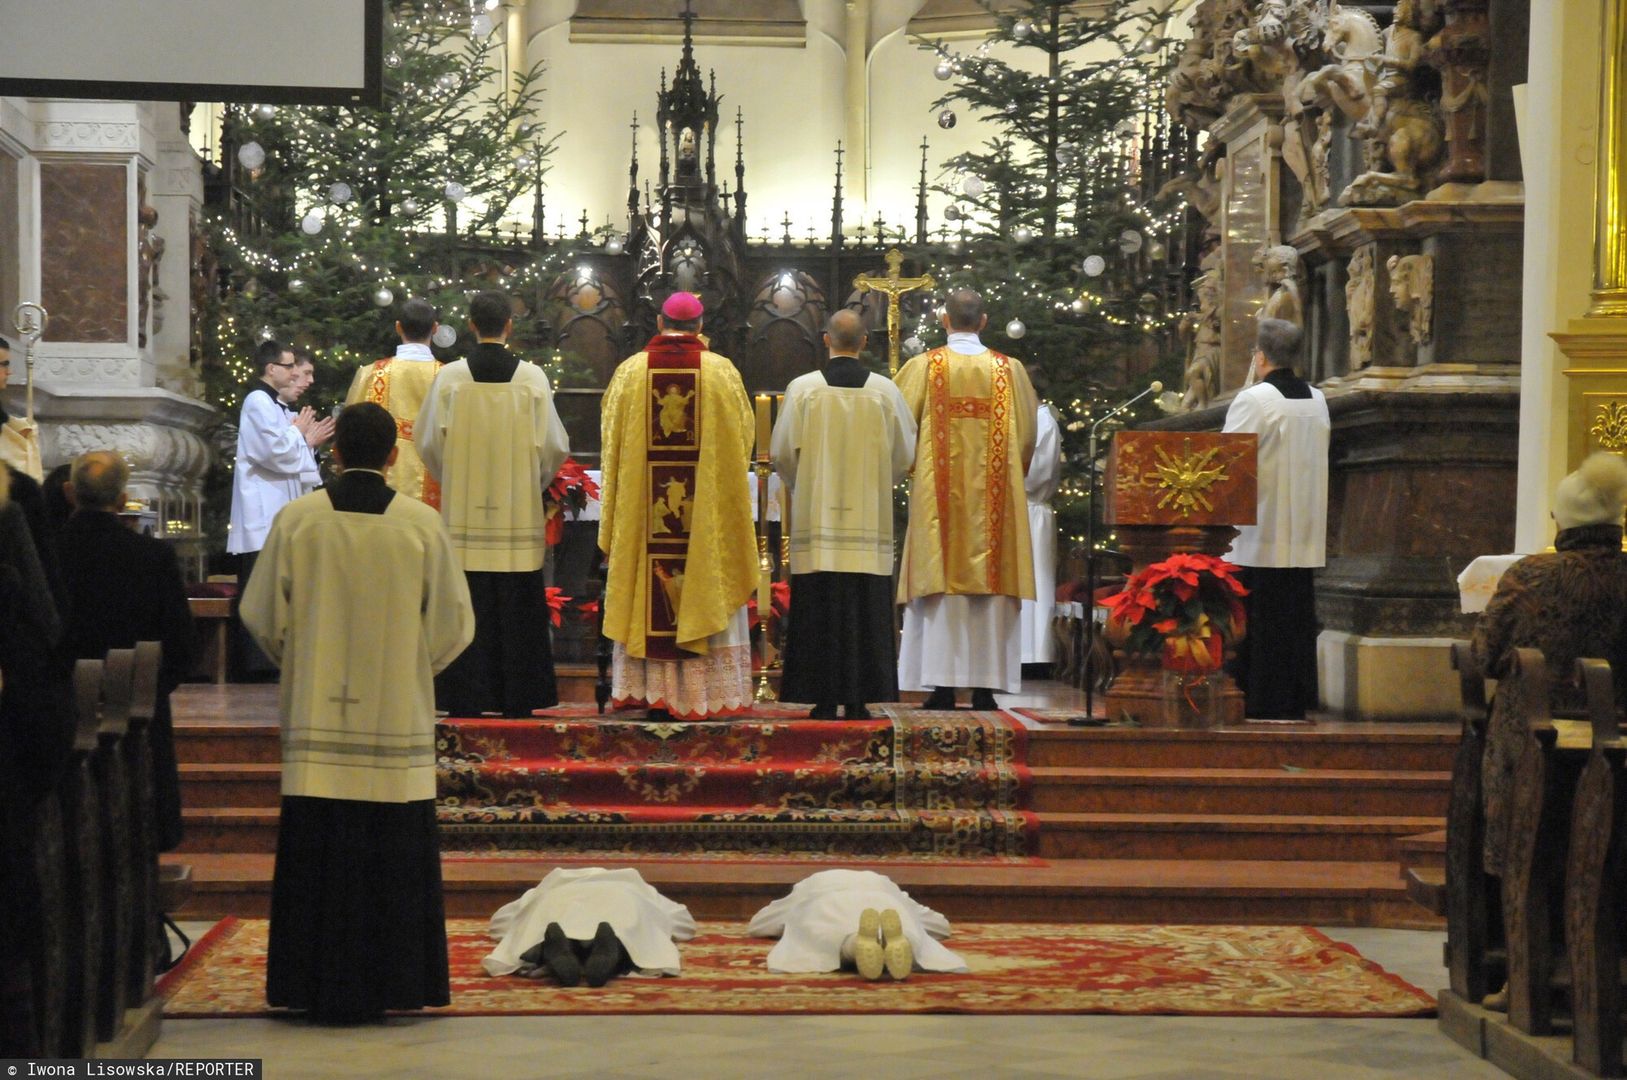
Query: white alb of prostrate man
854 916
646 923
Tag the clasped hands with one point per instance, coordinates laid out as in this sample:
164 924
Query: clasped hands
316 431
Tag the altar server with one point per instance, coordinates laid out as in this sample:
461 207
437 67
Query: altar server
968 562
677 438
400 383
1044 472
491 438
843 439
19 436
1276 663
359 599
609 915
853 917
310 474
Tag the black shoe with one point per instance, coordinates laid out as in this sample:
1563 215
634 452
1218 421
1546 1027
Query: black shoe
942 699
604 960
983 700
658 716
823 712
857 712
559 956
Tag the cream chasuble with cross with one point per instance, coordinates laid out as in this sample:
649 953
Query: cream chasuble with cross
360 610
494 447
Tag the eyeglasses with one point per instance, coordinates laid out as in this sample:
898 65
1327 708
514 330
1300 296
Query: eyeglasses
293 365
5 363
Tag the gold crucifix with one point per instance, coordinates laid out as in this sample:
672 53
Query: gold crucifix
894 286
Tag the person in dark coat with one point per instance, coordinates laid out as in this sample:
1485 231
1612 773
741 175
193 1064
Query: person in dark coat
123 588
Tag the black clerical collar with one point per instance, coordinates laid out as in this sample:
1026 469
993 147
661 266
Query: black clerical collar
1287 383
845 371
360 491
492 362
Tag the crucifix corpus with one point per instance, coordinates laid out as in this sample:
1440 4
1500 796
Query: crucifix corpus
894 286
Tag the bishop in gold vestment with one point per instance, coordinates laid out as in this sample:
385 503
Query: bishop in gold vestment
401 383
968 560
676 525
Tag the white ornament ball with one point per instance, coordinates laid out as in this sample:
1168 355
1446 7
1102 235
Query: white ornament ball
339 193
944 71
1130 241
296 285
946 119
455 191
974 186
447 81
1093 265
383 297
444 335
311 223
265 112
481 25
951 213
251 155
1156 250
525 131
914 346
1015 329
1022 234
1022 28
614 245
392 59
409 205
523 161
265 334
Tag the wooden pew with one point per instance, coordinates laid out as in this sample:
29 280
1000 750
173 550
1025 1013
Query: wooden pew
142 815
109 767
1593 878
1476 960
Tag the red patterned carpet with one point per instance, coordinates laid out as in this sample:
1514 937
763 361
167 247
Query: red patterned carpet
1015 968
911 784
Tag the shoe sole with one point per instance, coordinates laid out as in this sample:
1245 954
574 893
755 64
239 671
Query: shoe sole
867 951
897 952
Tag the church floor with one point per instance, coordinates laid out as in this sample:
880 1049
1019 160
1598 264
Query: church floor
1105 1047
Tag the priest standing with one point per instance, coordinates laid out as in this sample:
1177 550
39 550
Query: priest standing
400 383
968 563
1276 663
359 598
1040 485
843 439
677 438
490 436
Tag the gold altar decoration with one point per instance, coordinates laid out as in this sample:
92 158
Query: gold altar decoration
766 408
1610 224
1187 479
1609 428
893 286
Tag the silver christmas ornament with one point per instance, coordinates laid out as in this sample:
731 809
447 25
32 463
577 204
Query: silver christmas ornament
1022 234
265 112
409 205
1093 265
251 155
383 297
944 71
455 191
339 193
1155 250
1130 241
311 223
481 25
1079 306
951 213
973 186
296 285
445 335
265 334
447 81
523 161
1015 329
1021 29
914 346
392 59
946 119
614 244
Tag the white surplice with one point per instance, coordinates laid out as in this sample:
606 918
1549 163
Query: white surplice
494 447
1044 473
824 908
360 611
646 923
310 473
271 456
1292 524
842 496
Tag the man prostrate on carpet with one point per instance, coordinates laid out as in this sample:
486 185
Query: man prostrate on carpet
968 562
359 598
843 439
677 439
401 383
854 918
490 436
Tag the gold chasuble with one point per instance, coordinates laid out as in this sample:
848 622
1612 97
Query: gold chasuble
968 531
676 519
401 387
20 447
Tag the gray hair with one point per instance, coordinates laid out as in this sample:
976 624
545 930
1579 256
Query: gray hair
1279 339
99 478
847 331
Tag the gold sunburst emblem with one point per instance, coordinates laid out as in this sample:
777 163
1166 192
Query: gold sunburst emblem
1186 480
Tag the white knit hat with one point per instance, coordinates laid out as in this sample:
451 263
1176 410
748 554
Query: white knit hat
1594 494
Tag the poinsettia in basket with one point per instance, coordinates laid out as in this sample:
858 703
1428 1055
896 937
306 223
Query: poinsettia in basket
1184 611
570 491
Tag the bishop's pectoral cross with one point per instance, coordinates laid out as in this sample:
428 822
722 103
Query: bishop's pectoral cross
345 701
894 286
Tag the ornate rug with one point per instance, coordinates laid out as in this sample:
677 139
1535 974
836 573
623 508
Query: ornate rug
1015 968
946 785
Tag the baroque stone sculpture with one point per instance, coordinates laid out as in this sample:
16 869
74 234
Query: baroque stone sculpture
1361 296
1400 132
1278 267
1412 287
1201 330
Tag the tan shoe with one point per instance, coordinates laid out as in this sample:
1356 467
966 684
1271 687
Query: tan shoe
867 951
896 950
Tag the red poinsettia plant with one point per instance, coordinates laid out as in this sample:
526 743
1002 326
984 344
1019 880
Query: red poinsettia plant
1184 610
779 602
556 605
570 490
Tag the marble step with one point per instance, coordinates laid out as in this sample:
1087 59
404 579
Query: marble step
1350 746
1224 836
1111 890
1426 849
1346 792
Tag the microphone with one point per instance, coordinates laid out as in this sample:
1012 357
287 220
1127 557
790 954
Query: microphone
1153 388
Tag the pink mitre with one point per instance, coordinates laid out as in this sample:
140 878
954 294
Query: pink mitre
682 307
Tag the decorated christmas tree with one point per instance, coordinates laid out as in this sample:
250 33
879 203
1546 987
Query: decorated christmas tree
1057 219
336 214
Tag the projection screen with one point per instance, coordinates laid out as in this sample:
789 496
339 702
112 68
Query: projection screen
280 51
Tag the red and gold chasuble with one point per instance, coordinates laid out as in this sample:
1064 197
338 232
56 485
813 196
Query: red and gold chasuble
379 385
672 467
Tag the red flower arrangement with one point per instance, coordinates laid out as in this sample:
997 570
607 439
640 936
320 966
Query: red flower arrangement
570 490
779 603
1183 610
556 605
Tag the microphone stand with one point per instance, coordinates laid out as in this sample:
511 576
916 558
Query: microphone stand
1090 558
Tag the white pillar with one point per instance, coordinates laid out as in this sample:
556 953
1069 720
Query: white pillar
856 98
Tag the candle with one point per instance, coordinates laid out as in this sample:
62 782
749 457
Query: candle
765 424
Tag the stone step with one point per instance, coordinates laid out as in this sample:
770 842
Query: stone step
1224 836
1111 890
1370 747
1426 849
1346 792
248 786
